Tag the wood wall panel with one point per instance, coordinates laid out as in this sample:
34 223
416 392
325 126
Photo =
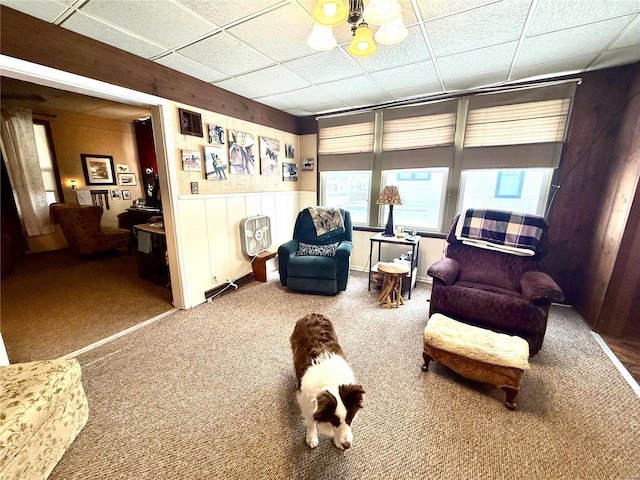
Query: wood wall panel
56 47
591 215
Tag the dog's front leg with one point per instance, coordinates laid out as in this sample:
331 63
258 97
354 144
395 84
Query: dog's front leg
312 433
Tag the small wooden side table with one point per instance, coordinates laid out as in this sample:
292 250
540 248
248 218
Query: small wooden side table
260 265
391 293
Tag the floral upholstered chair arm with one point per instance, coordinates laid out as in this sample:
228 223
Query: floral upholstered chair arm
538 286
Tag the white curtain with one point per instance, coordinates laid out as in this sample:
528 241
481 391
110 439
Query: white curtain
21 159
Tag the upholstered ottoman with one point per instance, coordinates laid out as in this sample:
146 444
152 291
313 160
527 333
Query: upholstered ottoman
477 354
42 409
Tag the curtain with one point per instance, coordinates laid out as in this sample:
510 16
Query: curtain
23 166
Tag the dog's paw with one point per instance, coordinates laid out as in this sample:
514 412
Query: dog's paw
313 441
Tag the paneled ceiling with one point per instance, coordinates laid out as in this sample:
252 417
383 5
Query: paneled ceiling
257 48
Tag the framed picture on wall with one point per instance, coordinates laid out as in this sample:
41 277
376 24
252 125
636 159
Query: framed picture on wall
190 123
98 169
289 172
127 179
191 161
126 194
307 164
269 153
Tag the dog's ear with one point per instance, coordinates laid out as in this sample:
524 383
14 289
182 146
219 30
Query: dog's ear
352 397
325 412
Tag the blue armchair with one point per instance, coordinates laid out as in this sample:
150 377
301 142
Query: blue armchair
326 272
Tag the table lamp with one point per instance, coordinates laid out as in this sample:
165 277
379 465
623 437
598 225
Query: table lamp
389 196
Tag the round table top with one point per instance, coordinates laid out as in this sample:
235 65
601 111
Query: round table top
393 267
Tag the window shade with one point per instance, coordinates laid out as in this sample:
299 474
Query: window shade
419 132
354 138
533 122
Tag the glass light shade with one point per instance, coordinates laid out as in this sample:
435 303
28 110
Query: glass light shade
381 11
362 44
330 13
321 38
392 32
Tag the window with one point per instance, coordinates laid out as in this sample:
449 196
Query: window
48 166
522 190
348 190
422 192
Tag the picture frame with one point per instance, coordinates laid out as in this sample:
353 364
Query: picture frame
122 168
289 172
115 194
98 169
289 151
194 188
242 153
216 134
126 194
191 161
269 153
127 179
307 163
190 123
215 163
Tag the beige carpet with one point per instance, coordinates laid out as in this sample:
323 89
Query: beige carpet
55 303
209 393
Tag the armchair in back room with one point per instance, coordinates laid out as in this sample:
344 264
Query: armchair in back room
80 225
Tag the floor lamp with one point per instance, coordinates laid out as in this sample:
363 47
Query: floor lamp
389 196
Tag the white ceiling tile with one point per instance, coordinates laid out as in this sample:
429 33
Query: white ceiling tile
416 92
631 36
477 62
570 43
410 50
481 27
280 34
161 21
551 15
476 81
89 27
226 54
407 76
619 56
274 80
235 86
324 66
355 87
223 12
275 102
189 67
308 96
544 69
430 9
46 10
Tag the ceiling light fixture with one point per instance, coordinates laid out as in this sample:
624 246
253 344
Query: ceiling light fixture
331 13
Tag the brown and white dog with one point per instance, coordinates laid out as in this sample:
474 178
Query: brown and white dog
327 394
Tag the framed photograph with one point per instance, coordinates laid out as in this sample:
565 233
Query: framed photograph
194 188
190 123
307 164
115 194
127 179
269 153
216 134
191 161
122 168
289 151
126 194
289 172
215 163
242 160
98 169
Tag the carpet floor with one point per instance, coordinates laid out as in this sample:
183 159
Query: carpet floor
209 393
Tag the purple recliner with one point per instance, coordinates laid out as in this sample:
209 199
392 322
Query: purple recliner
494 290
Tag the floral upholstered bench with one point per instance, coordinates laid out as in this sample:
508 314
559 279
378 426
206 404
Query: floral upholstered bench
477 354
43 407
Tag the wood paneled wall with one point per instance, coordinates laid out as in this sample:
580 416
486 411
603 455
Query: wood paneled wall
31 39
591 225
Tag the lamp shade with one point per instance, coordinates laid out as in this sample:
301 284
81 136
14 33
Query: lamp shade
330 13
321 38
392 32
362 44
390 196
381 11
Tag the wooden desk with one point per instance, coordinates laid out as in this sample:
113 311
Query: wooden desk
152 253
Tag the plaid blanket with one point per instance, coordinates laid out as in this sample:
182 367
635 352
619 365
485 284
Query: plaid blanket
509 232
327 220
